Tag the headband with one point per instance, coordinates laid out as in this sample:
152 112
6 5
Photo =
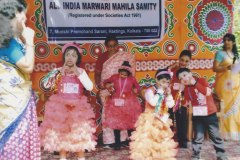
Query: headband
165 72
72 44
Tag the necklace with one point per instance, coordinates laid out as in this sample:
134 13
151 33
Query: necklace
122 88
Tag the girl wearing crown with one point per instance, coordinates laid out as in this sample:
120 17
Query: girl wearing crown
68 125
122 107
153 136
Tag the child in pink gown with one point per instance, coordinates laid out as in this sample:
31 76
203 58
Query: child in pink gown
122 107
68 124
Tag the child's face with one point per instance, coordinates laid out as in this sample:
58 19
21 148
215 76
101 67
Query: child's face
184 61
123 74
185 78
71 58
163 83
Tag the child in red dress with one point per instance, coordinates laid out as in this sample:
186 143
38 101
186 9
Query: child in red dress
122 107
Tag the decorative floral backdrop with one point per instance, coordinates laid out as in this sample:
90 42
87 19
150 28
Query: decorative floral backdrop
197 25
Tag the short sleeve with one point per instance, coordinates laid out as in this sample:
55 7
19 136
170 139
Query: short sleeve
13 53
219 56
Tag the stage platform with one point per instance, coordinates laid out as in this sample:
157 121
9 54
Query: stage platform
208 153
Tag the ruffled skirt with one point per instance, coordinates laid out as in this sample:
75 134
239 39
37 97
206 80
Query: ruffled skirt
152 139
122 117
68 125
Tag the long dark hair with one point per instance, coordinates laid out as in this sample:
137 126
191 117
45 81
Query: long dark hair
8 9
234 48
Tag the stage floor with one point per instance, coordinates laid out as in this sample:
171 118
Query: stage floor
208 153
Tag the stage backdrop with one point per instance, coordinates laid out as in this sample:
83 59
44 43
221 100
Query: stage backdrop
197 25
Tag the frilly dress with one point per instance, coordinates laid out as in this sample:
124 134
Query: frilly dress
122 117
69 119
152 139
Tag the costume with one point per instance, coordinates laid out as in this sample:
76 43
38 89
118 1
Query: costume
180 112
152 139
108 67
204 117
19 136
69 119
122 116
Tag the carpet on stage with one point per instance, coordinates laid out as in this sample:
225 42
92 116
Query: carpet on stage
207 153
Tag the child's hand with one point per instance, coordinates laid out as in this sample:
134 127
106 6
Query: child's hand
160 90
110 88
76 71
66 70
192 81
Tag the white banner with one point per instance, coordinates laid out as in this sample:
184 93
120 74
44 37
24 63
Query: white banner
92 20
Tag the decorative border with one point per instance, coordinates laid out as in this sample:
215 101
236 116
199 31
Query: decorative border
153 65
146 50
44 67
160 64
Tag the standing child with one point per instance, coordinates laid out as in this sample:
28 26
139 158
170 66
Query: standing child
180 112
153 136
199 96
68 124
122 107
